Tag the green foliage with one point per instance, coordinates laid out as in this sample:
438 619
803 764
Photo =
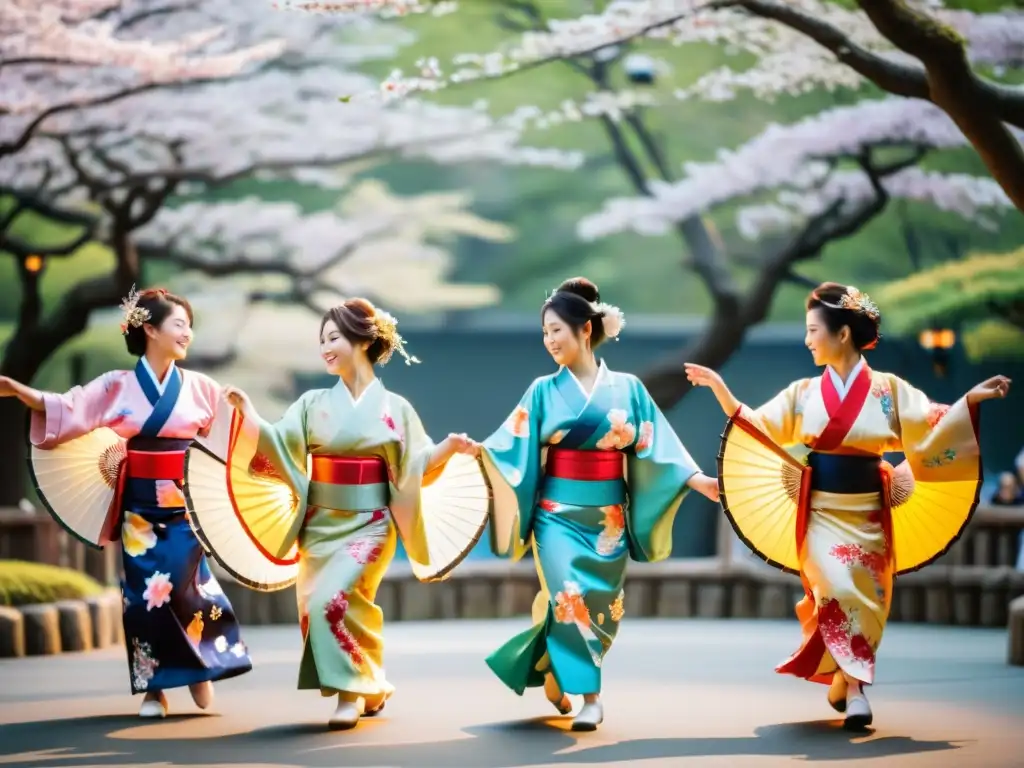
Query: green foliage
955 292
25 583
993 339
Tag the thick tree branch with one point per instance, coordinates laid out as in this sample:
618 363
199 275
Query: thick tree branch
726 330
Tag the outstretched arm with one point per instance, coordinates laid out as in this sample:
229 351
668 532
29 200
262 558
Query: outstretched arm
700 376
33 398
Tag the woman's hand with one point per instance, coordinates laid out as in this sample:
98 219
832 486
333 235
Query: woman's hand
30 397
461 443
996 387
707 486
238 400
701 376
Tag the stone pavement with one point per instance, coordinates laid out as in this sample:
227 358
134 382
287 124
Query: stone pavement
677 693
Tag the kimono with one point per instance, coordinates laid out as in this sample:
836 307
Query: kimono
356 468
591 481
845 544
179 626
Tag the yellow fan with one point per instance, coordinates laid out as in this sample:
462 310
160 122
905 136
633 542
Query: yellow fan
929 517
454 510
243 520
760 486
77 481
760 489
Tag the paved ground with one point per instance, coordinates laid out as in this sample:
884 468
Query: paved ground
677 693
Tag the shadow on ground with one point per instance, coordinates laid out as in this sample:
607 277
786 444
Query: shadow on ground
543 741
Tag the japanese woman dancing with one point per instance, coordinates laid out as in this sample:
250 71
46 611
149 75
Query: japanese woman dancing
842 539
607 490
179 627
356 457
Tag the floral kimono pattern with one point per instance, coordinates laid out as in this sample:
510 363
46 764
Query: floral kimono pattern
590 481
356 469
846 553
179 627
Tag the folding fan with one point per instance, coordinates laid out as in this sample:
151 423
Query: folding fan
759 484
243 519
760 488
455 510
77 482
928 517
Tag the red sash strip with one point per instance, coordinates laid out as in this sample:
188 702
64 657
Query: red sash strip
570 464
147 465
841 413
349 470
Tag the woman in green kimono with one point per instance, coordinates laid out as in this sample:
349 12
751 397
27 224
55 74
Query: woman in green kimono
350 455
607 490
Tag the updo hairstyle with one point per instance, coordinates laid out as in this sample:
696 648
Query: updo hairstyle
159 304
357 320
845 305
574 301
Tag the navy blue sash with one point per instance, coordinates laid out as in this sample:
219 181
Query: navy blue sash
163 405
840 473
589 415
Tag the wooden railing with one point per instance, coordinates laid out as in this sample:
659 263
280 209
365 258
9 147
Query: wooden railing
972 585
37 537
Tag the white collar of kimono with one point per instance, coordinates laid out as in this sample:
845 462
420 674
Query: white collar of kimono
348 392
843 387
601 368
160 385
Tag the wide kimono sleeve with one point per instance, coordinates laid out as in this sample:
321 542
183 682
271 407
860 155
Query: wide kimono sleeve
274 453
407 481
511 458
214 432
941 442
658 469
77 412
780 418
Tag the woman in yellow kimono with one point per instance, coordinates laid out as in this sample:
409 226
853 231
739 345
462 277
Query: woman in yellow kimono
848 418
355 457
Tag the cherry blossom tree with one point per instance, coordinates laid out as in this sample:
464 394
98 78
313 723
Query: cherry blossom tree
99 146
798 47
814 200
913 48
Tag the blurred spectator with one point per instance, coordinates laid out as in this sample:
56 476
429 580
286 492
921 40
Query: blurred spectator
1008 494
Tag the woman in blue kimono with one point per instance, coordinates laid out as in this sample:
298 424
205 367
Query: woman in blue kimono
179 627
607 490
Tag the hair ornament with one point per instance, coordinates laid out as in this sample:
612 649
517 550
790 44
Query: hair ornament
854 300
387 329
612 319
134 315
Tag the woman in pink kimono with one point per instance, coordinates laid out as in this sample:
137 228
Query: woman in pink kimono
179 627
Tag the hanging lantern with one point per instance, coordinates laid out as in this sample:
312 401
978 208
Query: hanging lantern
938 341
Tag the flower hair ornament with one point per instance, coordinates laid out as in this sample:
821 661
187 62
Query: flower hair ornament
134 315
855 301
387 329
612 319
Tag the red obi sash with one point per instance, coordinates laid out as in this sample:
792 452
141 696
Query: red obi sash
570 464
349 470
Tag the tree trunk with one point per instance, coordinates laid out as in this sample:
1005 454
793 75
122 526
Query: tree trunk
13 454
666 380
29 348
